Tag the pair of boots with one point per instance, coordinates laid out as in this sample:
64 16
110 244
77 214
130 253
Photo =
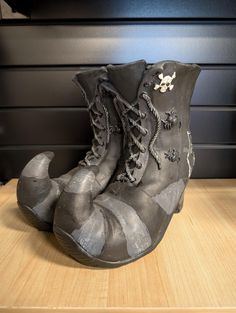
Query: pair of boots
141 155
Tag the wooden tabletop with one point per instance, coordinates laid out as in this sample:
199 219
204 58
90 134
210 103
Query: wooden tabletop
192 270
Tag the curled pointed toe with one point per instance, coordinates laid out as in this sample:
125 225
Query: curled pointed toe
36 192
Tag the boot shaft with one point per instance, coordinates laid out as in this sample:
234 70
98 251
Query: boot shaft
104 119
158 148
167 88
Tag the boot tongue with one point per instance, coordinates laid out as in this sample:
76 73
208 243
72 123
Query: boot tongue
126 78
88 80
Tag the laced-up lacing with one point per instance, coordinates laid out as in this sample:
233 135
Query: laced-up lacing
135 140
156 114
97 129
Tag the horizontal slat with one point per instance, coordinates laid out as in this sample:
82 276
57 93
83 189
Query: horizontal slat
44 126
53 87
12 161
133 9
122 9
39 88
215 163
117 43
221 160
213 126
216 86
71 126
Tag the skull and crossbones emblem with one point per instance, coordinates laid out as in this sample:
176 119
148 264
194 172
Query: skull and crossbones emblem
165 83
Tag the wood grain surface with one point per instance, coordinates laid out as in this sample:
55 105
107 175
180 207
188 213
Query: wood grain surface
192 270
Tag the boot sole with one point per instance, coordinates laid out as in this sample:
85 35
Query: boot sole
72 248
34 219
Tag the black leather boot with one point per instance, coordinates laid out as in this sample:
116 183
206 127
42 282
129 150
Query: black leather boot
37 193
130 218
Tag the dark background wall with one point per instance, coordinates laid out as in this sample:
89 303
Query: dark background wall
41 109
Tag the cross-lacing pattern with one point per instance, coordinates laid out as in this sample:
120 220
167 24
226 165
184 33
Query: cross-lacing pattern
97 127
158 128
133 140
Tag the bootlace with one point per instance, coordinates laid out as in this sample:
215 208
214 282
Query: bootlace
97 127
134 140
157 117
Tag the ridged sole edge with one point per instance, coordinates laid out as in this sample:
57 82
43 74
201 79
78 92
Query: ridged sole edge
34 219
72 248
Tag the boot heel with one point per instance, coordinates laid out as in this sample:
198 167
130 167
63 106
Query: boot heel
180 204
